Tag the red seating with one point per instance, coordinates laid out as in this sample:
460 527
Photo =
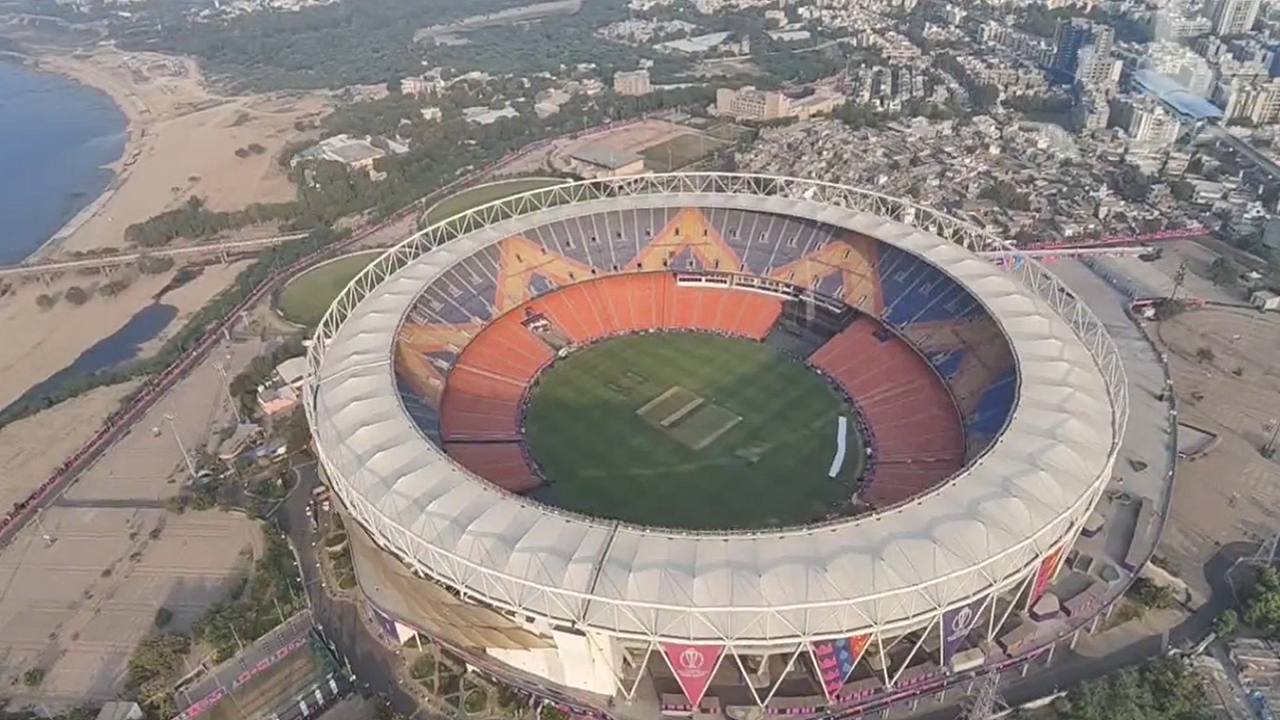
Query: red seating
918 435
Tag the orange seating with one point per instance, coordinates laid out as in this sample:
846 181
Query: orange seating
502 464
917 431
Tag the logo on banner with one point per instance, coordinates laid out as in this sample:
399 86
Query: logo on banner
956 624
693 666
692 662
962 623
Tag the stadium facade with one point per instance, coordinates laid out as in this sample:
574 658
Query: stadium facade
964 517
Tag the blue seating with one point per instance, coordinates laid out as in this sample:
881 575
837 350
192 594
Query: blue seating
994 406
424 413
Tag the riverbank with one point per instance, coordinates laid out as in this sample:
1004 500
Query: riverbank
182 139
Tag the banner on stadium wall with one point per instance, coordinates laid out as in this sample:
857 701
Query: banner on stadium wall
693 666
385 623
836 659
956 624
1048 566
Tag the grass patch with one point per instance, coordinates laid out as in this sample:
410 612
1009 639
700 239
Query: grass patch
482 194
678 152
607 453
307 297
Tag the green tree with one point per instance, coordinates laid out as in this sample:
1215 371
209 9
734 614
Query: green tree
1227 624
1224 272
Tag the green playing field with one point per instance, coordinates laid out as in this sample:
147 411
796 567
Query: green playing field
692 431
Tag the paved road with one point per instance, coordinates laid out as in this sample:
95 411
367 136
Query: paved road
373 663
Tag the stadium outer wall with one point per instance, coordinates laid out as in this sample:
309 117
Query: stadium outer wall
607 648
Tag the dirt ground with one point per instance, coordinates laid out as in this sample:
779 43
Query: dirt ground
32 448
182 142
76 606
1232 495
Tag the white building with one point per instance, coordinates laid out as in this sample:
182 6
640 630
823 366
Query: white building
1182 64
752 104
1233 17
1151 128
1254 100
632 84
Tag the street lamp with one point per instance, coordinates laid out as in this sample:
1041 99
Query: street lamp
173 428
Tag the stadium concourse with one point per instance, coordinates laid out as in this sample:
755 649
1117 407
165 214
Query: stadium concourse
991 403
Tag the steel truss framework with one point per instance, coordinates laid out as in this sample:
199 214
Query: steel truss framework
473 580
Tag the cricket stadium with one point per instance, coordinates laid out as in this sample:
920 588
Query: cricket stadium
691 442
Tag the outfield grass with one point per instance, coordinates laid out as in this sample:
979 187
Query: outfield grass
481 194
307 297
603 458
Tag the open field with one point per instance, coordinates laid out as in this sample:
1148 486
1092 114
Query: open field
595 425
1232 494
32 448
76 607
307 297
482 194
680 151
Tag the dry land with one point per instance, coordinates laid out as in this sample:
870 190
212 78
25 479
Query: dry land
32 448
1227 500
182 142
76 603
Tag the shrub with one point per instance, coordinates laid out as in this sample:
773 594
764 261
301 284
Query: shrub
44 301
33 677
163 617
76 295
112 288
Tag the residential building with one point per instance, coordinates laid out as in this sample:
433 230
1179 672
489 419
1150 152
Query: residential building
1182 65
1256 100
752 104
632 84
1072 36
1233 17
1149 125
1173 25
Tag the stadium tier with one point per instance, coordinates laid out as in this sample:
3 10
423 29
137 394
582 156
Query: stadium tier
926 433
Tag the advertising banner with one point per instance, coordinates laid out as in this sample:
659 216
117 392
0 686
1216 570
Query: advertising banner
385 623
1044 574
956 624
836 659
694 666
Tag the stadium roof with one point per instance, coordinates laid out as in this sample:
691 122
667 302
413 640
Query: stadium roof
1010 507
1172 93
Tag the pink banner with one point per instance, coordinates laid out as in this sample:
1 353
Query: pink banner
694 666
1048 566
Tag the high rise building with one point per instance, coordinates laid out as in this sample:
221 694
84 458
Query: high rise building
1071 37
633 84
1233 17
1083 54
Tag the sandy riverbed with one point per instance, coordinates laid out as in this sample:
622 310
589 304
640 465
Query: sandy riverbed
182 141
